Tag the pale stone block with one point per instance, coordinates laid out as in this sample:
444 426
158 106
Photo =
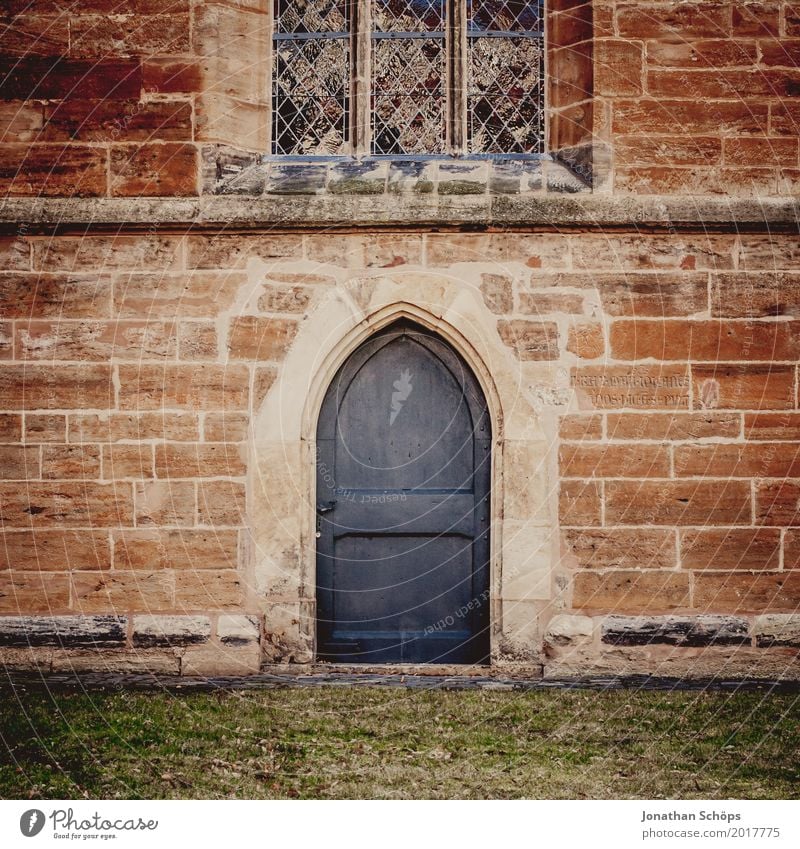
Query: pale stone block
526 490
520 638
288 632
777 629
213 659
527 561
234 630
565 629
150 630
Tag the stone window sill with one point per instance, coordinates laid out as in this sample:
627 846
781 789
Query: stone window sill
227 171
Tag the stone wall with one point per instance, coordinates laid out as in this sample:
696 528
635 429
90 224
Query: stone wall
101 98
645 386
174 303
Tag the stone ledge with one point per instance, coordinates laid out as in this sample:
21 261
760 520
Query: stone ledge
227 171
63 631
777 629
274 680
685 631
25 216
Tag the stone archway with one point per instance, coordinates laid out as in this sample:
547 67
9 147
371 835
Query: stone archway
281 485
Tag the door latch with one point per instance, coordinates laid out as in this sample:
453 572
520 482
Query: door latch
322 508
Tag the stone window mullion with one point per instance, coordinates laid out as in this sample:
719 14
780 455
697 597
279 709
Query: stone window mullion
361 78
456 129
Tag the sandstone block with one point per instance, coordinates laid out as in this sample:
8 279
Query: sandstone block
10 427
258 338
198 340
760 460
18 462
635 461
580 503
105 592
116 427
236 630
41 387
169 169
713 341
64 631
778 503
621 548
649 387
707 502
122 461
197 294
50 170
150 631
233 251
586 341
624 591
221 503
96 340
33 592
55 550
213 589
566 629
743 387
673 426
109 253
581 427
225 427
185 387
766 426
44 427
675 630
530 340
220 660
182 549
730 548
498 293
165 503
70 461
735 592
45 295
200 461
69 505
777 629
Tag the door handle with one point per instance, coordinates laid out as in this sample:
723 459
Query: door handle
325 506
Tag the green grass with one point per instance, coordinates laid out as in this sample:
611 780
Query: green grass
382 743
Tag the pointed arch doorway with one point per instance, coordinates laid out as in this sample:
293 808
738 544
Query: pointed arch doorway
403 471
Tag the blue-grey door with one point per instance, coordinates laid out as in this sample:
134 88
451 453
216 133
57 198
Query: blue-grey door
403 475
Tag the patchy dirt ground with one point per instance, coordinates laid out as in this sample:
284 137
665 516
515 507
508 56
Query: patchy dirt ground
382 743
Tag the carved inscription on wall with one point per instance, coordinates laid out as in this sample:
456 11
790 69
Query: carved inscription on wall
655 387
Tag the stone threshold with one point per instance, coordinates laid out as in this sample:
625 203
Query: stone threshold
96 681
299 213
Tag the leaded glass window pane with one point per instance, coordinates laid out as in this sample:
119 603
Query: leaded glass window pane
408 77
505 78
311 77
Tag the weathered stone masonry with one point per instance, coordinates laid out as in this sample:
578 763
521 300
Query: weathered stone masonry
173 305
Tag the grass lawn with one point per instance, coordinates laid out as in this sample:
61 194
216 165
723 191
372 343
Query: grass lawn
382 743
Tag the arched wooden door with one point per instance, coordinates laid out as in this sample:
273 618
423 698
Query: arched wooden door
403 477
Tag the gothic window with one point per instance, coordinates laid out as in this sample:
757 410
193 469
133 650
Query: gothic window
425 77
